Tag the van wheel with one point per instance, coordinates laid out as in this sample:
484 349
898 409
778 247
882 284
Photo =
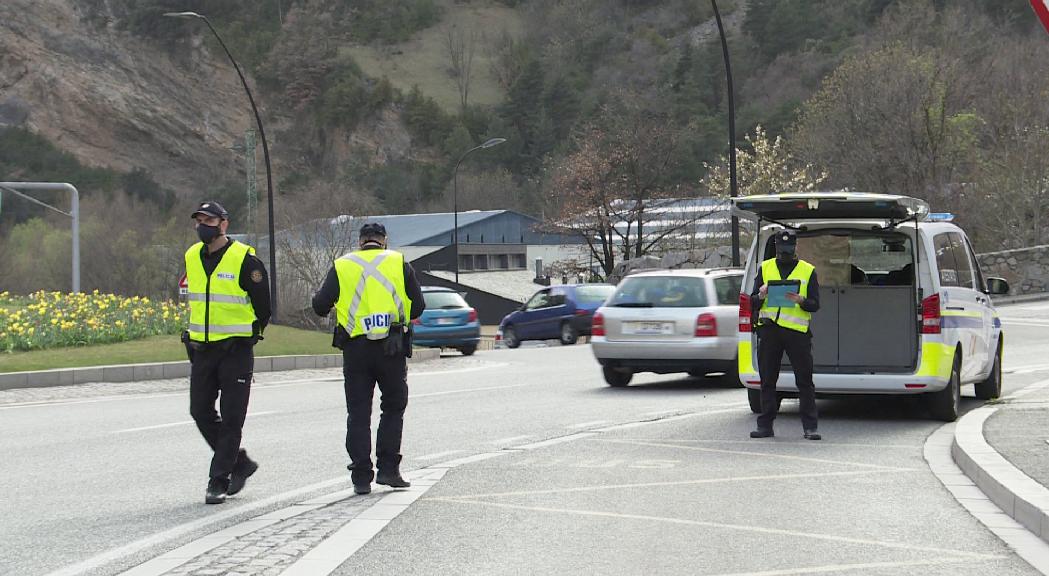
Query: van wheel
510 337
754 397
615 378
568 334
992 387
468 350
945 404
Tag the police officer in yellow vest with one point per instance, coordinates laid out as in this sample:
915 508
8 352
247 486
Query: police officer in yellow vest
376 295
786 329
229 303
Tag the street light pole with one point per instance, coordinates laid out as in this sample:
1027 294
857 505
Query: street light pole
265 154
733 186
455 195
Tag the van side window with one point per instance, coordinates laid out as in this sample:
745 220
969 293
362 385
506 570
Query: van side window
981 284
945 260
728 289
962 258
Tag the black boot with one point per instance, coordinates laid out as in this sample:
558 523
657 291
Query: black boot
392 479
812 435
762 433
217 490
243 470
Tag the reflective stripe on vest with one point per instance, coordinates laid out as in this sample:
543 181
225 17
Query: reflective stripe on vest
793 317
371 292
218 307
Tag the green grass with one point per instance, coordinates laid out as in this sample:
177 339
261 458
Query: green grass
424 59
280 341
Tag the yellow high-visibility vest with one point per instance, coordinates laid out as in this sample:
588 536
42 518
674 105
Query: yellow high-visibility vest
218 307
372 295
793 317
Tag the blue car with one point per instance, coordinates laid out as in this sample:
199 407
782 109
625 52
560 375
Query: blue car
447 322
563 312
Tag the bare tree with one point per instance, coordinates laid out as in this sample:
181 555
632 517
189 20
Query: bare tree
461 46
322 229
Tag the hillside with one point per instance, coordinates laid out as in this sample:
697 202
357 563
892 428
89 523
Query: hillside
367 107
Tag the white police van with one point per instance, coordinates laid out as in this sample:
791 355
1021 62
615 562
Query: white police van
904 307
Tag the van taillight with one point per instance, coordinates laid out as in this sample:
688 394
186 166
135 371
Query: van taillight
706 325
931 315
744 313
597 325
473 315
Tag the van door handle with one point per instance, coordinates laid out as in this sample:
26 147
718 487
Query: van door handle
955 307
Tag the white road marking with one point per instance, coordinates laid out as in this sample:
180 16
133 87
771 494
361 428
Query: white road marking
799 442
511 439
586 424
459 370
750 453
183 423
437 455
630 425
661 412
864 566
740 527
94 563
555 441
464 390
324 558
722 480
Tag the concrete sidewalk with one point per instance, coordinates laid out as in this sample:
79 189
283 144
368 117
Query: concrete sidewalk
1002 447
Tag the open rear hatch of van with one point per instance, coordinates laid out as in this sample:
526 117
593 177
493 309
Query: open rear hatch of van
831 206
867 322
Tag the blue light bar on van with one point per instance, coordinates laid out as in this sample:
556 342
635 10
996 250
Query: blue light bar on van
940 217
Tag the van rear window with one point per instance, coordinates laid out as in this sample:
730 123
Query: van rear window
859 259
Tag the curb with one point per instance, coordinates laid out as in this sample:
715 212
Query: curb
167 370
1030 297
1016 493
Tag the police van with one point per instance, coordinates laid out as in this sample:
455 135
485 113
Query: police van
904 306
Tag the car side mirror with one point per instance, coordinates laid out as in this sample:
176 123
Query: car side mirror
997 286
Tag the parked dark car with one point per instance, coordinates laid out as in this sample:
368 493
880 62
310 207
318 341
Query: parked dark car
447 322
563 312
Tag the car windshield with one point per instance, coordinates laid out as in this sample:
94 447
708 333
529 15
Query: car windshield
444 300
660 292
592 294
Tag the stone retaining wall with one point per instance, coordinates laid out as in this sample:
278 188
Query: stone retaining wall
1026 269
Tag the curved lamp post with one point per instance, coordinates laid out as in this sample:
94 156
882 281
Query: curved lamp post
265 153
455 194
733 187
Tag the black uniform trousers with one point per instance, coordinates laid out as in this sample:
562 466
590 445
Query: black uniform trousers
364 365
222 371
773 341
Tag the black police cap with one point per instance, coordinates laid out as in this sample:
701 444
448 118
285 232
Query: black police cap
373 229
786 238
210 208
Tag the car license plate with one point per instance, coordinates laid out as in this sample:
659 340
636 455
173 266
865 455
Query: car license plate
648 328
444 321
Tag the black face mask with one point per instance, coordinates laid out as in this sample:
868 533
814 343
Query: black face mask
208 233
785 257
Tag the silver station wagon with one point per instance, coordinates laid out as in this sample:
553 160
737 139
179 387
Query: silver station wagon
669 321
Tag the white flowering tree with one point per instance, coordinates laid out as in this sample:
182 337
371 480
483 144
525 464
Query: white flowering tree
763 167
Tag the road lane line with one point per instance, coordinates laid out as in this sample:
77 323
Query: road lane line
511 439
750 453
93 563
800 442
740 527
184 423
666 484
465 390
631 425
587 424
437 455
661 413
864 566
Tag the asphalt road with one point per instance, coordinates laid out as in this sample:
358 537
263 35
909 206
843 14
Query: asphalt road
96 484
